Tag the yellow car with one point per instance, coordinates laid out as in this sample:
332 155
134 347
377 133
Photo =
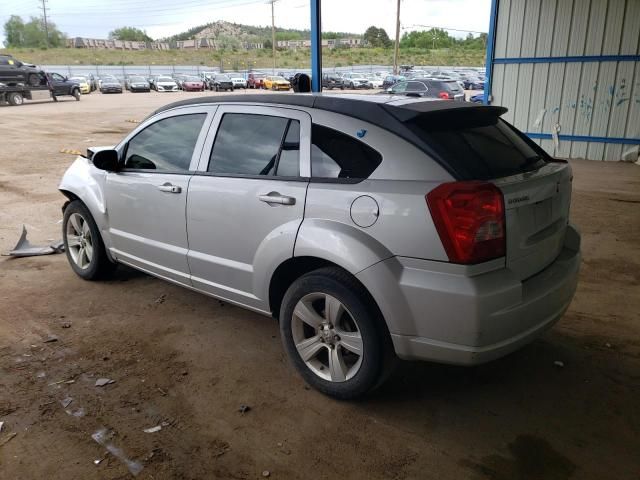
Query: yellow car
276 83
84 84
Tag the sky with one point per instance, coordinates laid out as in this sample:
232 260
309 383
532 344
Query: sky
160 18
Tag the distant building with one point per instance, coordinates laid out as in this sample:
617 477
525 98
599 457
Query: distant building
109 44
329 43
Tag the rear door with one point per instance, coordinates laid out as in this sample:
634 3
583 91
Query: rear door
247 200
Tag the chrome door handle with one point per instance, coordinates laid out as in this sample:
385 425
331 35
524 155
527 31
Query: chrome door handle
275 197
167 187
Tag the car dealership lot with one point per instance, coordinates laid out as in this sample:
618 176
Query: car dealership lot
189 361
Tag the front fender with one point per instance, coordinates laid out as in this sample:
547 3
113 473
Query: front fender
87 183
347 246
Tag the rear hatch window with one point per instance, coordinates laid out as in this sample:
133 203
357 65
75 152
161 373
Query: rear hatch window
477 144
452 87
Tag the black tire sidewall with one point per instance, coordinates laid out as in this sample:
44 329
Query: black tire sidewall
342 286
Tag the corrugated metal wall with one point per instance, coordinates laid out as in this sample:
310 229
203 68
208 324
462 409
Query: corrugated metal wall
581 98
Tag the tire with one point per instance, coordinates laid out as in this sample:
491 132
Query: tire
33 79
341 87
330 367
352 86
78 226
217 89
76 94
15 99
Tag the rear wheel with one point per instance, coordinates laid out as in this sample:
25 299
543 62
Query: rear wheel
15 99
333 335
83 244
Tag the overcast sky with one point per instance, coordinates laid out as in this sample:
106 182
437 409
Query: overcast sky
95 18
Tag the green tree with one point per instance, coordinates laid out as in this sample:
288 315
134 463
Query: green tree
31 34
14 31
267 44
130 34
377 37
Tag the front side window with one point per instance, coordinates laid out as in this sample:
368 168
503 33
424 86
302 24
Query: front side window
260 145
166 145
58 77
336 155
400 87
416 87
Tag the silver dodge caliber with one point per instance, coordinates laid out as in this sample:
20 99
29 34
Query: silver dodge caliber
371 227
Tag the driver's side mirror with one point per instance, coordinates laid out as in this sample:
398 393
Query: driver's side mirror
106 160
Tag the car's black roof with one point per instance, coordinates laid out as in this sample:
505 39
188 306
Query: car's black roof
390 112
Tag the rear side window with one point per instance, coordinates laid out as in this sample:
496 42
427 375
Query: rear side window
248 144
479 145
451 86
335 155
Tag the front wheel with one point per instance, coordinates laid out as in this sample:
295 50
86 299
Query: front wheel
76 94
333 335
83 244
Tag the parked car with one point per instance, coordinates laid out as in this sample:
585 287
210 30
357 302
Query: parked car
391 80
14 72
165 84
478 98
331 81
85 87
255 79
238 81
473 83
427 87
110 84
356 81
206 77
220 82
62 86
276 82
139 84
374 80
179 78
93 81
486 260
192 84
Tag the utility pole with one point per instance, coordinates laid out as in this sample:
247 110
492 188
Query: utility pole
273 33
397 46
46 25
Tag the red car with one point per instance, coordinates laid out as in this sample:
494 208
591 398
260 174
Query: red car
256 80
193 84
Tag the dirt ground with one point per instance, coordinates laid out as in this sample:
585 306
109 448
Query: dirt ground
188 363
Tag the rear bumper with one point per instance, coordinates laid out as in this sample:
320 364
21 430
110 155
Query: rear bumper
444 313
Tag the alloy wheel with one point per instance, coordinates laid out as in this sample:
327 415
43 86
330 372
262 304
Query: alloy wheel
327 337
79 240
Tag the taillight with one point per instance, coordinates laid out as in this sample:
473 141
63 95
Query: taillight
469 218
444 95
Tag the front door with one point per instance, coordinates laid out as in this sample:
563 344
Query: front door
59 84
246 203
146 200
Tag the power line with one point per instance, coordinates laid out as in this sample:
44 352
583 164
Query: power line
442 28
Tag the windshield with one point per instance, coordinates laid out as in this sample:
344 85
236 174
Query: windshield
78 79
165 79
137 79
278 79
477 143
191 79
222 78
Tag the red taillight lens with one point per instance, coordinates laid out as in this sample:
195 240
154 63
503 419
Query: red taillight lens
469 218
444 95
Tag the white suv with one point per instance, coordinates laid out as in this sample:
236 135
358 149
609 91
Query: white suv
371 227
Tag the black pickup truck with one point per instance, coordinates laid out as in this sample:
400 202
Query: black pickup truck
13 72
50 84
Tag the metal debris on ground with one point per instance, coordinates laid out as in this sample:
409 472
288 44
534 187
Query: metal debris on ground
24 249
101 382
103 437
7 439
50 339
157 428
66 325
558 364
161 299
130 120
266 473
608 345
66 402
244 408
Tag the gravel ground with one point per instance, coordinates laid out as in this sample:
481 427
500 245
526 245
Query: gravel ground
188 363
